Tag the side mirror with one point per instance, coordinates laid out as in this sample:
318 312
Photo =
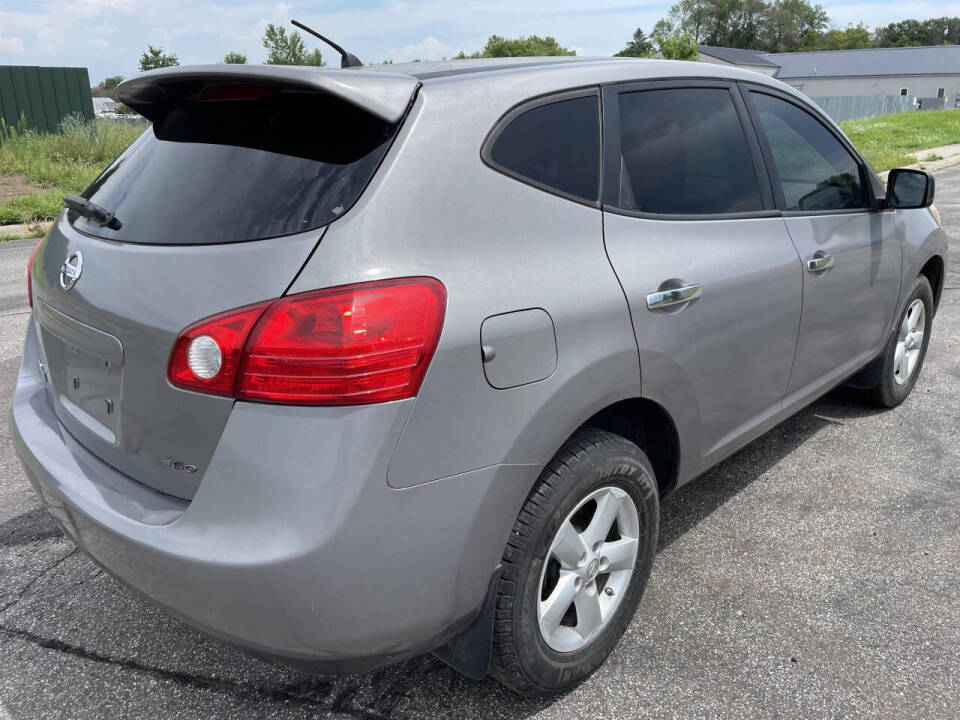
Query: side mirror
909 189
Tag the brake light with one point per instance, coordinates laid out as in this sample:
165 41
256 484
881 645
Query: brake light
350 345
30 272
236 91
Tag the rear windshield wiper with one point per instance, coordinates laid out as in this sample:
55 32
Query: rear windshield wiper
91 211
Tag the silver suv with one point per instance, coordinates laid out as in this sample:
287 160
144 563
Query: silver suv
343 366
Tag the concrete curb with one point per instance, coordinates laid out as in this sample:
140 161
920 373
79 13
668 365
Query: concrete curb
949 156
24 230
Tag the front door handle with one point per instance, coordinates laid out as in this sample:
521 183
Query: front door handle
819 263
675 296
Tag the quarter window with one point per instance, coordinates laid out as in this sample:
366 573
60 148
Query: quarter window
814 169
556 146
683 151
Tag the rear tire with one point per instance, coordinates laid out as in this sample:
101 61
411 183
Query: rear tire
906 350
595 476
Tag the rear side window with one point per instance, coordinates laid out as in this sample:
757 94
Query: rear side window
814 169
683 151
227 169
555 146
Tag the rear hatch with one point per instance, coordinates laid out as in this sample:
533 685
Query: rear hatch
218 205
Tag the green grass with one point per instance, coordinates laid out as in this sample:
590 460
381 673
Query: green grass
885 140
33 207
62 163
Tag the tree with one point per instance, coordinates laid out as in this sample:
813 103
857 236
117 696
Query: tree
789 25
747 23
533 45
154 57
853 37
678 45
909 33
639 46
235 58
774 25
108 87
284 49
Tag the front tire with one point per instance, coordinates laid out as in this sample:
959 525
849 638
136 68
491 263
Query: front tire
905 352
576 564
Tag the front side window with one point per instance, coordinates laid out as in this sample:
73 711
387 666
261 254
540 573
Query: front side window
815 170
683 151
556 146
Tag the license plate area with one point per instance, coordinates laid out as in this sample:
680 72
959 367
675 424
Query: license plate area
85 367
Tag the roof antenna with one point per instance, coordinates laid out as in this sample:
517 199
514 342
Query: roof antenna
347 60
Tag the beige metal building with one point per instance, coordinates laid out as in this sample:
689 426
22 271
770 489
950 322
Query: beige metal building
921 72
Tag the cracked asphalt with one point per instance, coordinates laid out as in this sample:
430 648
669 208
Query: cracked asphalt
814 574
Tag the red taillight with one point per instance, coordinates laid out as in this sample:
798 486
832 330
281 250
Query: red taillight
30 272
350 345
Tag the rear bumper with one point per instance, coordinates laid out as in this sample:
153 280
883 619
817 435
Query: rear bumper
294 546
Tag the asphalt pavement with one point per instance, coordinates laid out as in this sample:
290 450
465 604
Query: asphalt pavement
814 574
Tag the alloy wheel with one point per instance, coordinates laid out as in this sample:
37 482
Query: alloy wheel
909 342
588 569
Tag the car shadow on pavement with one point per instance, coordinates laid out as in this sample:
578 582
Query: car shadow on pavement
90 626
689 505
32 526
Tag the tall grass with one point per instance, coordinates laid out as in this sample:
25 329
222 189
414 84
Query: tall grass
62 163
885 140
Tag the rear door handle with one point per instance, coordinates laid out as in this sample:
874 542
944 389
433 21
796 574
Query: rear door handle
818 263
675 296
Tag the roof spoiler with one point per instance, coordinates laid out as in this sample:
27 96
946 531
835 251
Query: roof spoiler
385 95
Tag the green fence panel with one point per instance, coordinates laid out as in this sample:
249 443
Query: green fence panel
43 96
86 97
60 92
49 98
35 98
73 92
20 94
8 104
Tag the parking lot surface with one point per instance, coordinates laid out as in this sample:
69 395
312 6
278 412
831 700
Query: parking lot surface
814 574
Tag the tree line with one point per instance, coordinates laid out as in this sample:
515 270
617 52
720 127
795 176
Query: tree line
282 48
777 26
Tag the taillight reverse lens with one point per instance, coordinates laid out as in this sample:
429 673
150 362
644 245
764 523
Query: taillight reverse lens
349 345
33 256
229 332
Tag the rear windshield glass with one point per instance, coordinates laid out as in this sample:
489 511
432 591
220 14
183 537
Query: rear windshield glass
220 169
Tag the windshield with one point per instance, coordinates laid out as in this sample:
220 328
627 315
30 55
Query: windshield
239 165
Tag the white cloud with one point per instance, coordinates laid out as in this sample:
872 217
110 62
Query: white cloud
12 45
427 49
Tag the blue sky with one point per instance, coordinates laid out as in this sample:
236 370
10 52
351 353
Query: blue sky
107 36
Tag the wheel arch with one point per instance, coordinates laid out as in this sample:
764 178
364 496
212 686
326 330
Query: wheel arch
648 425
933 270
